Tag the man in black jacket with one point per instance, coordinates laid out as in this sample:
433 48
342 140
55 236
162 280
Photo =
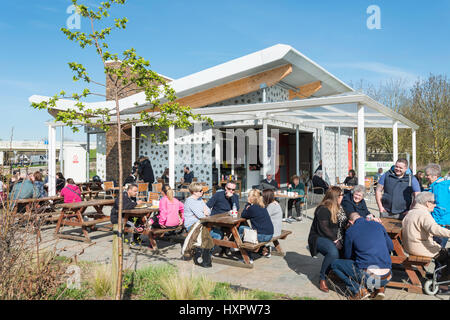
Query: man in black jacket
319 183
128 202
270 181
145 171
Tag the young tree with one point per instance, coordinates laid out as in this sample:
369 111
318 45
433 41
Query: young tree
129 75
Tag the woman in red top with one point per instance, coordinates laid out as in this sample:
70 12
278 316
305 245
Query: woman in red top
71 192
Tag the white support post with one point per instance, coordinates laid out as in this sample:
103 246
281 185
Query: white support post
88 156
361 146
133 145
338 171
218 153
51 160
61 152
265 159
395 141
172 157
297 150
414 164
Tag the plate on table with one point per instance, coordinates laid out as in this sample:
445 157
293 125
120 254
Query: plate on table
141 206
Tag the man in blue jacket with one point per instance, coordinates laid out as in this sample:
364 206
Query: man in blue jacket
400 187
367 262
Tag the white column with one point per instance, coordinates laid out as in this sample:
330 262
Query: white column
133 145
361 146
414 164
88 156
172 157
339 169
61 151
264 146
51 160
395 141
218 153
297 150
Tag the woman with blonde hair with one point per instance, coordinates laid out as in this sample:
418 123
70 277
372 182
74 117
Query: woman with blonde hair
258 215
171 210
323 235
194 206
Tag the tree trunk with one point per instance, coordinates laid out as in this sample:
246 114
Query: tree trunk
120 227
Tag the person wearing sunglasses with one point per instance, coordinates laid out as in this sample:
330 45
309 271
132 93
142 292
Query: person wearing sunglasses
222 201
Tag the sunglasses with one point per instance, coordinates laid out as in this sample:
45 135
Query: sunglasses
230 189
432 202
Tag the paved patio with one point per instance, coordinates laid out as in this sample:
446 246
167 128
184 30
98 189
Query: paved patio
295 274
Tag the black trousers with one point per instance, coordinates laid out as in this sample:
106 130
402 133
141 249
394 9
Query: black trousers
297 203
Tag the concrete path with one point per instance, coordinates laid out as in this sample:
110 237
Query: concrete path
295 274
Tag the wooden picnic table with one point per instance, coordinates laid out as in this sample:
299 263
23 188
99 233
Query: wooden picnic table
410 263
151 233
230 226
72 214
287 198
31 204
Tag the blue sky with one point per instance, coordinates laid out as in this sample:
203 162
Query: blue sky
182 37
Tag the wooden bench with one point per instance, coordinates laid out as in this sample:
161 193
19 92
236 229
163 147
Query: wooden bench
256 246
410 263
154 233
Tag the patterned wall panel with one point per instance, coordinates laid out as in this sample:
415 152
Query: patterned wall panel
192 148
101 155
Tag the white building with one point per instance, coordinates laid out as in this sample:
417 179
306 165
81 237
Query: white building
275 94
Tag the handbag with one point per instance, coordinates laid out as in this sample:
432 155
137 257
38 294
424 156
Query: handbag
250 235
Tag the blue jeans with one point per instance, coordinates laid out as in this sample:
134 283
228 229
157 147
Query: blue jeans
260 237
328 249
354 277
216 233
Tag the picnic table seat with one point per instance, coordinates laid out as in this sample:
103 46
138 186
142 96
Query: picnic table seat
256 246
153 233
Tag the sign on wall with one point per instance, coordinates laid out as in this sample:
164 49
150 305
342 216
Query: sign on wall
373 166
75 163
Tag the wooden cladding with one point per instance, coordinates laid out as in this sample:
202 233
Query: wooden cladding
235 88
306 90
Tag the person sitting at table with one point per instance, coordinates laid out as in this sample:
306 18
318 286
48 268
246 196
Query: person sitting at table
275 211
127 203
323 235
194 206
23 189
259 217
378 175
351 180
165 175
354 202
171 211
60 182
145 171
419 228
132 178
269 181
39 184
319 185
365 265
71 192
188 175
223 200
298 187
